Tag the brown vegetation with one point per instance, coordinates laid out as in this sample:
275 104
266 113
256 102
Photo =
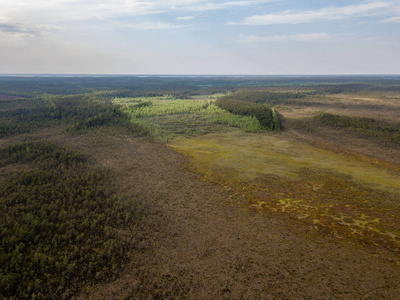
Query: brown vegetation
202 244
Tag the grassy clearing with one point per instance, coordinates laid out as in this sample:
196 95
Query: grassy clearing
165 107
169 118
345 195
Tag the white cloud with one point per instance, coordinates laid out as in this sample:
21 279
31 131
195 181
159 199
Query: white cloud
307 37
154 26
206 6
392 20
323 14
34 17
23 29
187 18
70 10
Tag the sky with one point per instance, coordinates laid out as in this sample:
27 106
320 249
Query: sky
205 37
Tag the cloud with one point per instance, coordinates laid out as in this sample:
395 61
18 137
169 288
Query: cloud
23 29
12 28
154 26
187 18
392 20
71 10
33 18
207 6
307 37
87 14
323 14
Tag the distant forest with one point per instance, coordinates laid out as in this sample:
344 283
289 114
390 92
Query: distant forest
137 86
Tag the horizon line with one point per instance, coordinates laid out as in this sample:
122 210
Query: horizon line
191 75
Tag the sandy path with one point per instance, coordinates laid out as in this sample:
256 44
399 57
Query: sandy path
205 246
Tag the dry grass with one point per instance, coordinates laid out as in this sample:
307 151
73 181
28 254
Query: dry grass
203 244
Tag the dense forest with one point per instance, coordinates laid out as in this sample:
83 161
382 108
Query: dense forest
62 223
265 115
76 112
33 86
387 133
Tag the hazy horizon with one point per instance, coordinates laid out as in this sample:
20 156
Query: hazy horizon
189 75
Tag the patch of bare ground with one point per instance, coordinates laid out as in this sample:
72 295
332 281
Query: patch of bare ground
7 97
201 244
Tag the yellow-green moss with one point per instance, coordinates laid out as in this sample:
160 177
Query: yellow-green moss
348 195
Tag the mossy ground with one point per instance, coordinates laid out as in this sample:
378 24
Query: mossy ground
347 195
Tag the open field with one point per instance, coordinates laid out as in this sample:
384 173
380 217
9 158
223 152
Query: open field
169 119
169 190
348 195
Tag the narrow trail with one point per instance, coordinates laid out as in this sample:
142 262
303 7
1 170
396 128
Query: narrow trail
206 246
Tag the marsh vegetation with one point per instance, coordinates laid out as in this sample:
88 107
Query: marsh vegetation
98 201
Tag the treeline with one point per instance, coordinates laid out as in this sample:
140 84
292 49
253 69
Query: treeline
174 93
121 86
36 86
46 112
383 132
272 98
265 116
78 112
110 118
126 93
61 223
371 86
303 96
387 133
